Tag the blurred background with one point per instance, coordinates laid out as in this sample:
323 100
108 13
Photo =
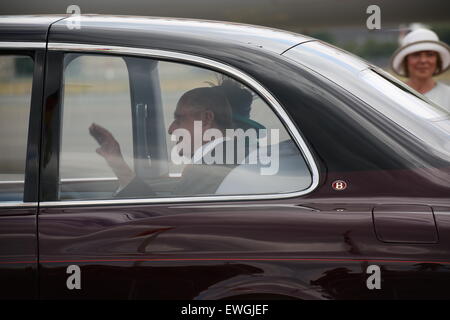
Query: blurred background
339 22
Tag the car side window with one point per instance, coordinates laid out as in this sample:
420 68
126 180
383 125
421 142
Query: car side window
16 77
142 128
95 91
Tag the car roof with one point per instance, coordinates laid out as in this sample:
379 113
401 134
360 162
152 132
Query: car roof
26 28
264 38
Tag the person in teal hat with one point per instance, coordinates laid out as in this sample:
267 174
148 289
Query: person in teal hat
240 100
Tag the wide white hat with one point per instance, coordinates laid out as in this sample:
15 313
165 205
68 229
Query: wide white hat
420 40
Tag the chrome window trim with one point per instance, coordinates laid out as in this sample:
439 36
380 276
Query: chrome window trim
223 68
68 180
94 179
12 182
22 45
14 204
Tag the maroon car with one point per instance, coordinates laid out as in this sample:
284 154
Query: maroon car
159 158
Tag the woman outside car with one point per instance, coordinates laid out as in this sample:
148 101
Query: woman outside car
420 57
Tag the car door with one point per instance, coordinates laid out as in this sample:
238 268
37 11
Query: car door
21 77
244 237
256 235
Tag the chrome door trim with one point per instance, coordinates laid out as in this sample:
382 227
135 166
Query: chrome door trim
15 204
22 45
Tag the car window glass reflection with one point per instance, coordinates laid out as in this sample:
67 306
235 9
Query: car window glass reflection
16 76
144 128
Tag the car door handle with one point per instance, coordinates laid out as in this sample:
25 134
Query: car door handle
405 224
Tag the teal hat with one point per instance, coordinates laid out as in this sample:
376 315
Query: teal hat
240 100
245 122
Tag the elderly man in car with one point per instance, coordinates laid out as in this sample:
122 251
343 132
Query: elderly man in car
207 106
